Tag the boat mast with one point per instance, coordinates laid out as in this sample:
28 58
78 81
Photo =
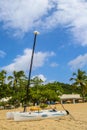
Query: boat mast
30 69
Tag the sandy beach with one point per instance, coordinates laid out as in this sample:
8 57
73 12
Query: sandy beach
77 120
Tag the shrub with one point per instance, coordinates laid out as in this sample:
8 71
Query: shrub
43 106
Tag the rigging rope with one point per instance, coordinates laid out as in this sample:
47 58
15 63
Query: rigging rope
68 113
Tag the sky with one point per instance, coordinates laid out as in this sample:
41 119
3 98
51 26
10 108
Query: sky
61 46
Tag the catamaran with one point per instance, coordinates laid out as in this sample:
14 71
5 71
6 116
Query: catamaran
42 114
36 115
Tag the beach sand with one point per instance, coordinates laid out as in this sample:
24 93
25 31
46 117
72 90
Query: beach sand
77 120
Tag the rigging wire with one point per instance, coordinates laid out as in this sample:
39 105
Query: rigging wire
68 113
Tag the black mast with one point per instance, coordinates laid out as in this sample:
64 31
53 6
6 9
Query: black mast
30 69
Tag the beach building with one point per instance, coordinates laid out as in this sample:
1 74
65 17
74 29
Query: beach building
70 98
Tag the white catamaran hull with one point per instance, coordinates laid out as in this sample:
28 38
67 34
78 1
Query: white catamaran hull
38 115
10 115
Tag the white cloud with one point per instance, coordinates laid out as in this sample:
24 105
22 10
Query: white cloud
2 54
22 62
53 64
26 15
78 62
23 15
71 14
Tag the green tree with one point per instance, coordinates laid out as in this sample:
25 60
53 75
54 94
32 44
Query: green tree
17 82
46 92
80 82
3 86
2 77
16 79
36 82
56 87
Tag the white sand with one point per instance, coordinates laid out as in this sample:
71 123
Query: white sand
78 111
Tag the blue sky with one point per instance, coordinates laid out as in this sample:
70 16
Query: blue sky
61 46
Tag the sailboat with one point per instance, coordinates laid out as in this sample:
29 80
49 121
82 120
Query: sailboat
35 115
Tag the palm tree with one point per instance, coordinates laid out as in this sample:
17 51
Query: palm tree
4 87
36 83
17 78
2 77
17 82
80 82
2 84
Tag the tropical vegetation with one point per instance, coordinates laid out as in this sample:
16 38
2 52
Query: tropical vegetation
80 83
15 87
